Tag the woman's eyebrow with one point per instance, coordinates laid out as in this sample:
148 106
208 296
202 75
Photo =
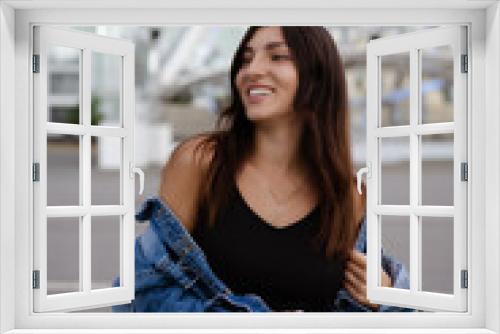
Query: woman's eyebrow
268 46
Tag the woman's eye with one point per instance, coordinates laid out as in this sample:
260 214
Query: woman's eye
247 60
278 57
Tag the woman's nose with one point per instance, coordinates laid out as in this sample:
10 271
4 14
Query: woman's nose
256 65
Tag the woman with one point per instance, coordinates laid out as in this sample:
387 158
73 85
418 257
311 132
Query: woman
269 197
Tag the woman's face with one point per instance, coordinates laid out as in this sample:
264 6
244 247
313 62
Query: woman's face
268 79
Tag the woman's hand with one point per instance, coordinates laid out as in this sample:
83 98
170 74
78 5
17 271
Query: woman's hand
355 279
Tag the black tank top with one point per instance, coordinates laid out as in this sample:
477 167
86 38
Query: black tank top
278 264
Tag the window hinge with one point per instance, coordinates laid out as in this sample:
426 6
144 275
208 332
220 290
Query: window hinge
465 67
36 63
464 171
464 279
36 279
36 172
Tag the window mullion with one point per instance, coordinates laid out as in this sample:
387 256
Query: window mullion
460 101
85 172
414 171
40 155
127 226
420 129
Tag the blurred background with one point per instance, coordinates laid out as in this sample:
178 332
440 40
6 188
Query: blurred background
181 84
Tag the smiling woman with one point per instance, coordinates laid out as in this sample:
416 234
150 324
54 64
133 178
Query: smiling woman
268 198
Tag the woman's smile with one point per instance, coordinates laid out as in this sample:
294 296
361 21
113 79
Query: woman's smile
257 95
256 99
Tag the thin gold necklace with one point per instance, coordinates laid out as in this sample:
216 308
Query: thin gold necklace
275 197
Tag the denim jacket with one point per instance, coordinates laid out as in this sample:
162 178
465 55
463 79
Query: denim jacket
172 273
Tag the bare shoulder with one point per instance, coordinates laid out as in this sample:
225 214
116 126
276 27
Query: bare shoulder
182 175
193 153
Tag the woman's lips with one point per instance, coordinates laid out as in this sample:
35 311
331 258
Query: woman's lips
256 99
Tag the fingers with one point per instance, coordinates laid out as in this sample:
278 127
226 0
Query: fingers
358 271
355 278
351 280
355 286
386 280
358 276
358 258
357 265
356 290
359 293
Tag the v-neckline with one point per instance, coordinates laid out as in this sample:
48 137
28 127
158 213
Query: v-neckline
261 220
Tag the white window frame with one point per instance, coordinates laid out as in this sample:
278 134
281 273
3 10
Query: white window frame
411 44
85 211
16 213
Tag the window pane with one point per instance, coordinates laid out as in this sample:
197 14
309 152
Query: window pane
63 84
395 87
106 166
63 163
105 251
395 170
437 169
437 84
63 240
106 89
395 237
437 254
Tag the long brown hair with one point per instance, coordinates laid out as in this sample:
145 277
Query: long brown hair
321 99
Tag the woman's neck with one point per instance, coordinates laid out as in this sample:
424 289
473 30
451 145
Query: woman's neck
277 145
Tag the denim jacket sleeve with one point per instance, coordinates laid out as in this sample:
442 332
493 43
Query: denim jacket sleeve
345 302
156 291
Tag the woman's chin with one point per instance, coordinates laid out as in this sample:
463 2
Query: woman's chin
258 117
262 116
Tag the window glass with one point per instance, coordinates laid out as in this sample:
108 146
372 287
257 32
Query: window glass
437 255
105 265
106 89
395 237
63 164
63 76
63 247
106 167
395 84
437 84
437 169
395 170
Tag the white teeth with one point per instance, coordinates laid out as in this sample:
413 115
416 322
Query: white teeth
260 91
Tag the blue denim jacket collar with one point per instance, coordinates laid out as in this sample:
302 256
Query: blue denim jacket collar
174 236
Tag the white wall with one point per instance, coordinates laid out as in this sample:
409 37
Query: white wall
492 149
7 167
